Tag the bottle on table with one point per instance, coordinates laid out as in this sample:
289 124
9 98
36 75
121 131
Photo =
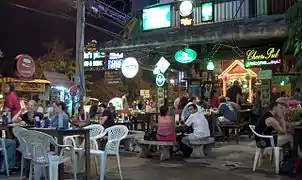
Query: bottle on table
46 120
4 118
37 122
60 122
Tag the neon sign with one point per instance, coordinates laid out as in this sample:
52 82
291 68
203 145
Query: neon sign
257 58
186 13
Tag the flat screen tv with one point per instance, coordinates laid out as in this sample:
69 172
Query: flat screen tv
157 17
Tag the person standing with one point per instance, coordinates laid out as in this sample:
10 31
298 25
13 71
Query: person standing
12 102
235 93
125 102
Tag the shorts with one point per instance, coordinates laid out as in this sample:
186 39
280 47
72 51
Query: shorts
171 137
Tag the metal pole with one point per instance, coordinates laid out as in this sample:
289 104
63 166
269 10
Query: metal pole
80 46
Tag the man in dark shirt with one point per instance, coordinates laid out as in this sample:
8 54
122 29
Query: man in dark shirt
235 93
107 118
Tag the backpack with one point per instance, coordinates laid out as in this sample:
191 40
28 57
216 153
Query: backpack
291 166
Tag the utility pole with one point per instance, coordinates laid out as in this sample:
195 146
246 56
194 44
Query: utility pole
80 47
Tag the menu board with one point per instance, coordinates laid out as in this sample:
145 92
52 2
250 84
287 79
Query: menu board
144 93
265 93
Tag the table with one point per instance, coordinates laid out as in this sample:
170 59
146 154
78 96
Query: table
60 134
9 129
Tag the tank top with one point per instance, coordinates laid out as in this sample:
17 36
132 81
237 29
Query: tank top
165 128
261 127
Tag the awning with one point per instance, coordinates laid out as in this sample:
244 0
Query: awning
57 79
12 80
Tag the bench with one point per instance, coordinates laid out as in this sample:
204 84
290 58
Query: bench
130 142
164 148
202 147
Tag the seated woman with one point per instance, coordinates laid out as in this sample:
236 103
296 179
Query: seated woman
81 118
165 126
273 123
29 116
226 110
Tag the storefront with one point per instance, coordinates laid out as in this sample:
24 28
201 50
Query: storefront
237 72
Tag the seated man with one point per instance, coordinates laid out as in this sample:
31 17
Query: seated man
10 146
200 126
226 110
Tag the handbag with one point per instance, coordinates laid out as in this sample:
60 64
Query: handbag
150 135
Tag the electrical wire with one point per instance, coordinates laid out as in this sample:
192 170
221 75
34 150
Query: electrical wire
65 17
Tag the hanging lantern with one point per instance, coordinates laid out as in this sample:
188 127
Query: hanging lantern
247 76
226 78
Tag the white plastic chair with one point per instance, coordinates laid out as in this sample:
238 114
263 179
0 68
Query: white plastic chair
96 131
22 147
38 144
115 135
3 150
259 151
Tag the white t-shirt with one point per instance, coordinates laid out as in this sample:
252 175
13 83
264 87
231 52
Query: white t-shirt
176 102
200 125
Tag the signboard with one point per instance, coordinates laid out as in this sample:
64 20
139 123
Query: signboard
160 80
265 74
207 12
185 56
259 58
144 93
30 87
160 97
26 67
186 13
265 93
130 67
113 77
157 17
162 65
94 61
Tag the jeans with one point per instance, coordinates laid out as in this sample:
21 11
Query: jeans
191 137
10 146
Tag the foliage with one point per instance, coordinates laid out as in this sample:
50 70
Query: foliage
105 91
58 59
293 45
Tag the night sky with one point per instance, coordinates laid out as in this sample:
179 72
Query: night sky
23 31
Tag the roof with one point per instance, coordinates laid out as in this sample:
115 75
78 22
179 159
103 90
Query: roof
38 81
237 64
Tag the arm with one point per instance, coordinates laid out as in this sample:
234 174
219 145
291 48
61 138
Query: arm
272 122
103 119
17 118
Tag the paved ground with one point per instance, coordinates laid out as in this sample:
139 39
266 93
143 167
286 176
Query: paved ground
228 160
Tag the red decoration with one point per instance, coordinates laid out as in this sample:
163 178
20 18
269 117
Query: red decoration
26 67
226 78
74 90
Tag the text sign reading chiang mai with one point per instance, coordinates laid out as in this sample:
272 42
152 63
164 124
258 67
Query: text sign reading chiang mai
262 57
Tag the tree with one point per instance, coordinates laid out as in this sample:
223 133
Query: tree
57 59
294 42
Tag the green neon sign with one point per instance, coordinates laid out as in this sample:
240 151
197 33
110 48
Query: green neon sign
185 56
160 80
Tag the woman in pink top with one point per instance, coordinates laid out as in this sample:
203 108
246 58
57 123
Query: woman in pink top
165 126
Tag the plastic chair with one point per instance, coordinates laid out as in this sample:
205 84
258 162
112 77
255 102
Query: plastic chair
3 150
96 131
22 147
38 144
259 151
115 135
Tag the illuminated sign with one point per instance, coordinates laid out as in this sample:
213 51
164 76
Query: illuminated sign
186 13
130 67
185 56
157 17
160 80
258 58
207 12
94 61
162 65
